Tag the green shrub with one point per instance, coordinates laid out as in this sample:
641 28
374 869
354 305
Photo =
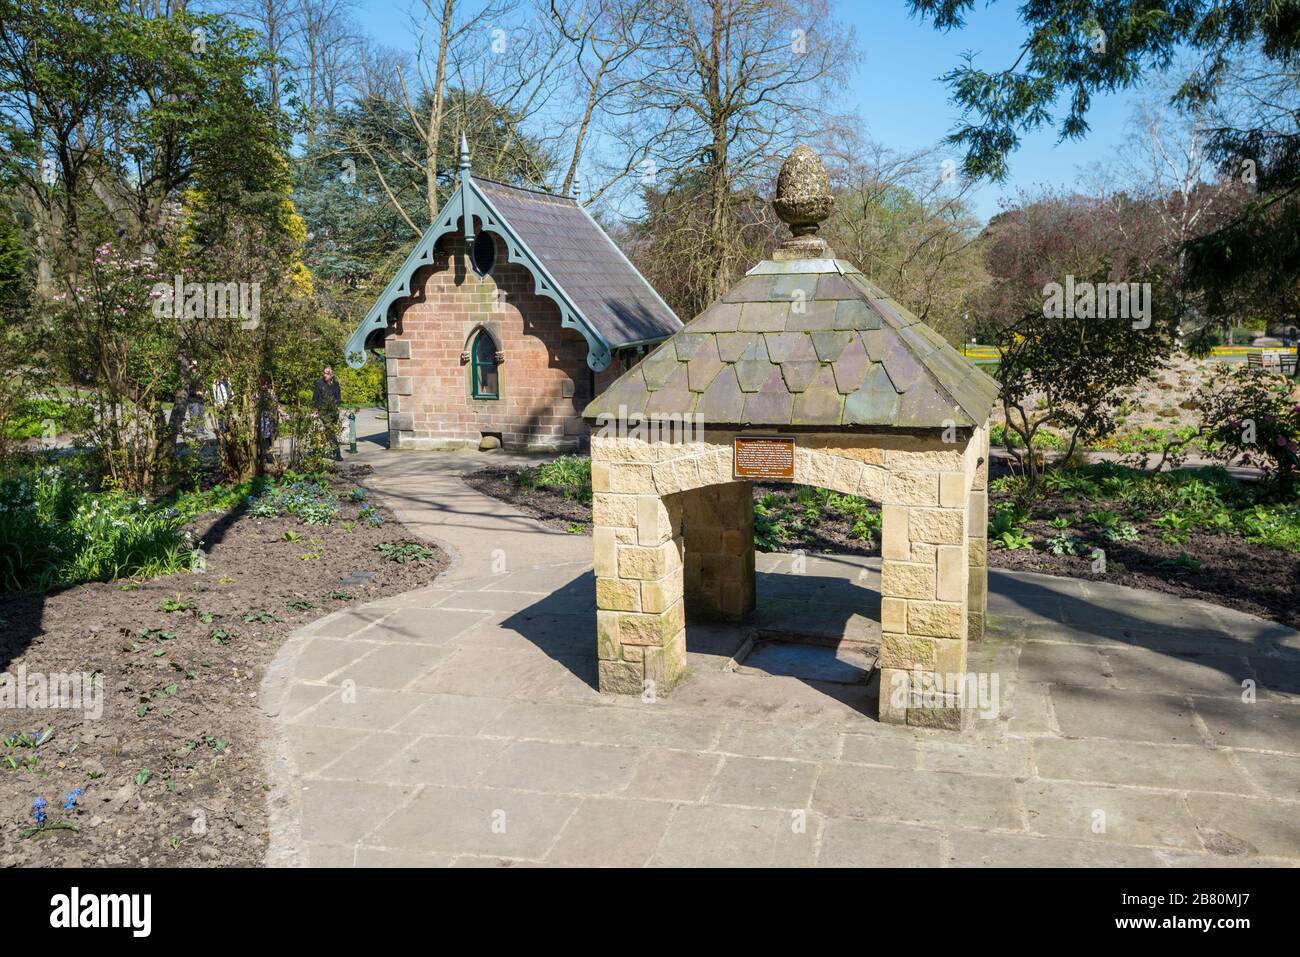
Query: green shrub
1251 414
1064 544
569 474
403 552
307 499
1013 539
55 531
1276 526
361 387
31 416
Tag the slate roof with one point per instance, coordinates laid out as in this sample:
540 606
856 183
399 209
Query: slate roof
805 343
585 263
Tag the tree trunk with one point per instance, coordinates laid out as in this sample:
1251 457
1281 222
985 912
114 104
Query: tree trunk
719 265
436 108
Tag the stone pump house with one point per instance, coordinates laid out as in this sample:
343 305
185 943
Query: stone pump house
512 311
806 372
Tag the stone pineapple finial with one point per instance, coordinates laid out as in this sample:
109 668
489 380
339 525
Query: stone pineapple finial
803 201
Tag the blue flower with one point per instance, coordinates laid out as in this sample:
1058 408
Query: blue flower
38 810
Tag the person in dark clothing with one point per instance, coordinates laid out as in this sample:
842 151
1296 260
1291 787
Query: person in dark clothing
268 414
325 397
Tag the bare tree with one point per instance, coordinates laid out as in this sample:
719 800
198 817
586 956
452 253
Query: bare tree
740 82
327 42
616 48
904 219
279 24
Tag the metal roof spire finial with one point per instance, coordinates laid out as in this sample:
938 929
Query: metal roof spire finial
464 155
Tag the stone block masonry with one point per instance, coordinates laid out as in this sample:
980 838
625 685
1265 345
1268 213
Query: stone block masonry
674 531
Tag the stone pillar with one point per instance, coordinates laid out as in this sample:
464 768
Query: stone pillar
718 524
923 588
977 591
401 420
640 612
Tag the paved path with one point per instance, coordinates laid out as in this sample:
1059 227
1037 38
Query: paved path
459 725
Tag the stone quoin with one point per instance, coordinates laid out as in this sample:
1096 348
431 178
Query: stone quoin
877 405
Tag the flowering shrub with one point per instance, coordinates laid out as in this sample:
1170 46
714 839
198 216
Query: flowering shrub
1253 416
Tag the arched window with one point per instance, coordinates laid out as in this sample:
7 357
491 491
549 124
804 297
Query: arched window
483 367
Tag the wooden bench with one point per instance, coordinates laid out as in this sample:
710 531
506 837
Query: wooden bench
1280 360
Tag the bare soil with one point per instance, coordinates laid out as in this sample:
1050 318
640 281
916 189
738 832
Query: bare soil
1213 566
547 505
1223 569
172 773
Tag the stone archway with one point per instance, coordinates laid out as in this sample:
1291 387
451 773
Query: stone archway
933 574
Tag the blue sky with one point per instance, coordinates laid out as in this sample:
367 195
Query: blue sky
897 91
905 105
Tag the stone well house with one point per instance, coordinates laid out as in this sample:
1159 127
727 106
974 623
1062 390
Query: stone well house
804 372
511 313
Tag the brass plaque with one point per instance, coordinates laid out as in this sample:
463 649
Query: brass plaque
764 457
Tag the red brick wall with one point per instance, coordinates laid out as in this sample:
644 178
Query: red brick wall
430 403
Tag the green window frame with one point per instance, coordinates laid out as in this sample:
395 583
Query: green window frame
484 378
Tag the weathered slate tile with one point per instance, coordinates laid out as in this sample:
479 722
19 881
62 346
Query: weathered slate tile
923 408
754 373
752 289
876 403
772 404
722 402
851 367
799 372
813 316
719 317
689 343
763 316
798 286
629 392
904 369
789 346
659 367
829 345
757 349
701 369
732 345
878 379
877 342
673 397
855 314
866 407
821 403
832 286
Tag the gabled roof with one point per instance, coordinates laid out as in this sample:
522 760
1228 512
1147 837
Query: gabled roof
589 267
571 259
805 342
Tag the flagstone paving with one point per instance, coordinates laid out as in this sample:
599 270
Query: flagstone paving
459 725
